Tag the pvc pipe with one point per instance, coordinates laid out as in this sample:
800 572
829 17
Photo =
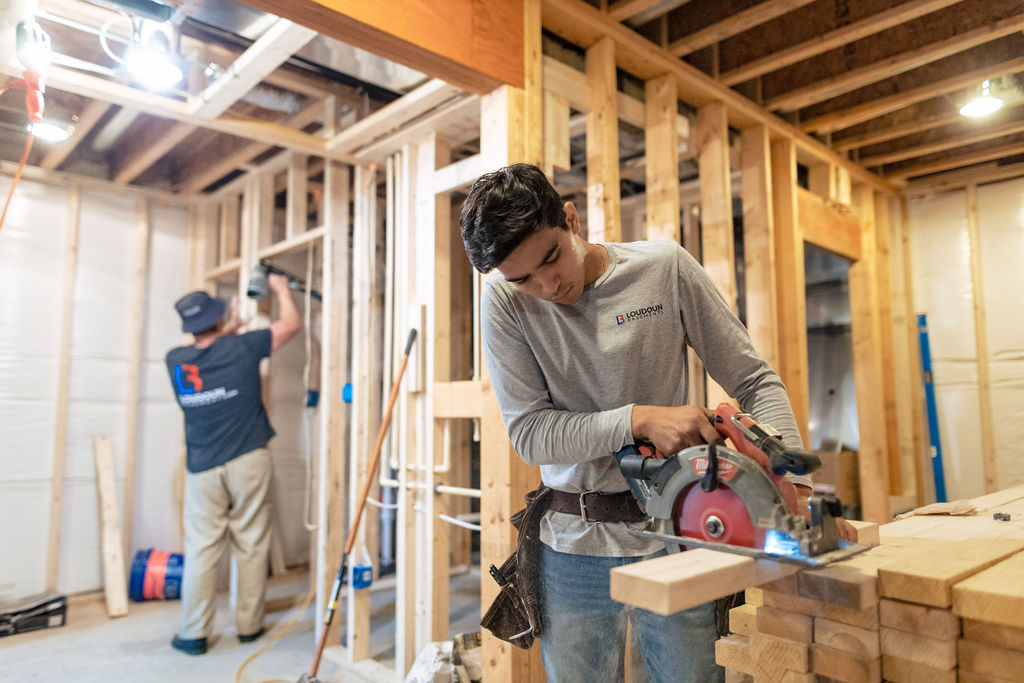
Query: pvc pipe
459 522
457 491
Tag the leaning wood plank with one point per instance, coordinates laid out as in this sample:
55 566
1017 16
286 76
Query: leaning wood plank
115 585
995 595
925 621
929 651
925 581
902 670
990 660
670 584
994 634
60 430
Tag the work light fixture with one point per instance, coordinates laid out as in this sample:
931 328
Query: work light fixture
982 105
150 57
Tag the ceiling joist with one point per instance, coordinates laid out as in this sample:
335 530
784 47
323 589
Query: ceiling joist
990 133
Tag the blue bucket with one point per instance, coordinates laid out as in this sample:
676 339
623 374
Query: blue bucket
155 575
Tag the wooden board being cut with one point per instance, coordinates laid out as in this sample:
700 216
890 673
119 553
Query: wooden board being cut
994 595
670 584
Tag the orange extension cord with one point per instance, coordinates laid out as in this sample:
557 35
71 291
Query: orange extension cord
17 177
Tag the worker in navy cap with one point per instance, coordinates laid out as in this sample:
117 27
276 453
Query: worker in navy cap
216 380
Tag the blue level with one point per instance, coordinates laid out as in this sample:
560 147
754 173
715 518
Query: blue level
933 414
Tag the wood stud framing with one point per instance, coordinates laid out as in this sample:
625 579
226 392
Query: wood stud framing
604 222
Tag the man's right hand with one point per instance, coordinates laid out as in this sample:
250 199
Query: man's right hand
277 282
672 429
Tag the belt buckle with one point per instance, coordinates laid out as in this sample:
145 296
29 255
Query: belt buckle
583 509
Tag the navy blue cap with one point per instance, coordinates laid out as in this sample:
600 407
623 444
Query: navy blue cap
199 311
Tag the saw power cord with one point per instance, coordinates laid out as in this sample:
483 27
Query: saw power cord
17 177
281 632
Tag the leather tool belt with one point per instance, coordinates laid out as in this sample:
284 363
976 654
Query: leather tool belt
596 507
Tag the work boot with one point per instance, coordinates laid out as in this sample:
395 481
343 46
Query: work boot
252 636
190 646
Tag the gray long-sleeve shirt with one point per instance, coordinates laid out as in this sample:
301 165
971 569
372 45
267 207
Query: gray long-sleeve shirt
567 376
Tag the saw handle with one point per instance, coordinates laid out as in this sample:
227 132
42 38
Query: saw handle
762 443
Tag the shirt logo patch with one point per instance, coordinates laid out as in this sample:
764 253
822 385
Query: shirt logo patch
190 374
639 313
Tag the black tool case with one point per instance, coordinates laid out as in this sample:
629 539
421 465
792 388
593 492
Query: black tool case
42 610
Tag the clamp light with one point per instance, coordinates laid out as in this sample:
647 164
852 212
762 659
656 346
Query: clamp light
150 57
984 105
33 46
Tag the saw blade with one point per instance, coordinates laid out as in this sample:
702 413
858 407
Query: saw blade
845 550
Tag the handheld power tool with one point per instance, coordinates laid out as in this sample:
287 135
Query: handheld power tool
736 499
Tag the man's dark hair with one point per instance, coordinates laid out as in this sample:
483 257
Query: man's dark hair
503 209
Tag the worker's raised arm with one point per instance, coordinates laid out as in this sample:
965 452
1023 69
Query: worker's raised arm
288 322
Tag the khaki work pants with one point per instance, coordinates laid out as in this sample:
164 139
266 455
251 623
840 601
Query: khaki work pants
228 504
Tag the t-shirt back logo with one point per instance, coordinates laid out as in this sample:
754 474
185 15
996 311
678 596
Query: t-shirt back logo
187 373
637 314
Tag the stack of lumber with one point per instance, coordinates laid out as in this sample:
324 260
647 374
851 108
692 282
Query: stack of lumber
939 599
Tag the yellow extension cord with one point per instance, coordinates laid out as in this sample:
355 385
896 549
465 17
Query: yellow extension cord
281 632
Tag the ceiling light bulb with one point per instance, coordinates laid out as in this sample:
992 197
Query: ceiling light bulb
152 68
984 105
49 131
33 46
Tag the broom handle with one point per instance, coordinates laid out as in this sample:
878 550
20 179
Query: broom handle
370 476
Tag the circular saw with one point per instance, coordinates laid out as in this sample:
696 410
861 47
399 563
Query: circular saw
736 499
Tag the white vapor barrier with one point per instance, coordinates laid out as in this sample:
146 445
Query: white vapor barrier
941 264
32 265
1001 217
161 426
32 251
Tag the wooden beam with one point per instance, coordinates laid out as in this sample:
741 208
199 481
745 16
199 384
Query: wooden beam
60 430
737 23
909 333
583 25
859 77
273 48
956 179
88 119
825 224
149 152
1008 128
75 82
876 23
533 89
789 278
759 242
993 596
949 162
986 426
334 421
504 477
884 134
851 116
458 399
296 197
661 143
136 344
488 52
209 170
716 213
452 119
115 583
556 134
885 308
565 81
624 9
872 458
679 581
459 175
604 219
392 116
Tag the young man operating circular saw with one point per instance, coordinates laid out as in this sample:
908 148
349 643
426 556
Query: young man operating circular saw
586 345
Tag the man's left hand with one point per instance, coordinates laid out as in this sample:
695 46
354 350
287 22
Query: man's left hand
845 529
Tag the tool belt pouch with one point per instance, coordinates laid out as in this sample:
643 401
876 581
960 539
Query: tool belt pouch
515 615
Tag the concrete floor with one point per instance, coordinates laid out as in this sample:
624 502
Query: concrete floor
93 648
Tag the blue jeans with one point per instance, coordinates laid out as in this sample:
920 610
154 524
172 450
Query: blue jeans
585 630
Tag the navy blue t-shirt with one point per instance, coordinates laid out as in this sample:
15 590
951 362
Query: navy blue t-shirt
219 390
